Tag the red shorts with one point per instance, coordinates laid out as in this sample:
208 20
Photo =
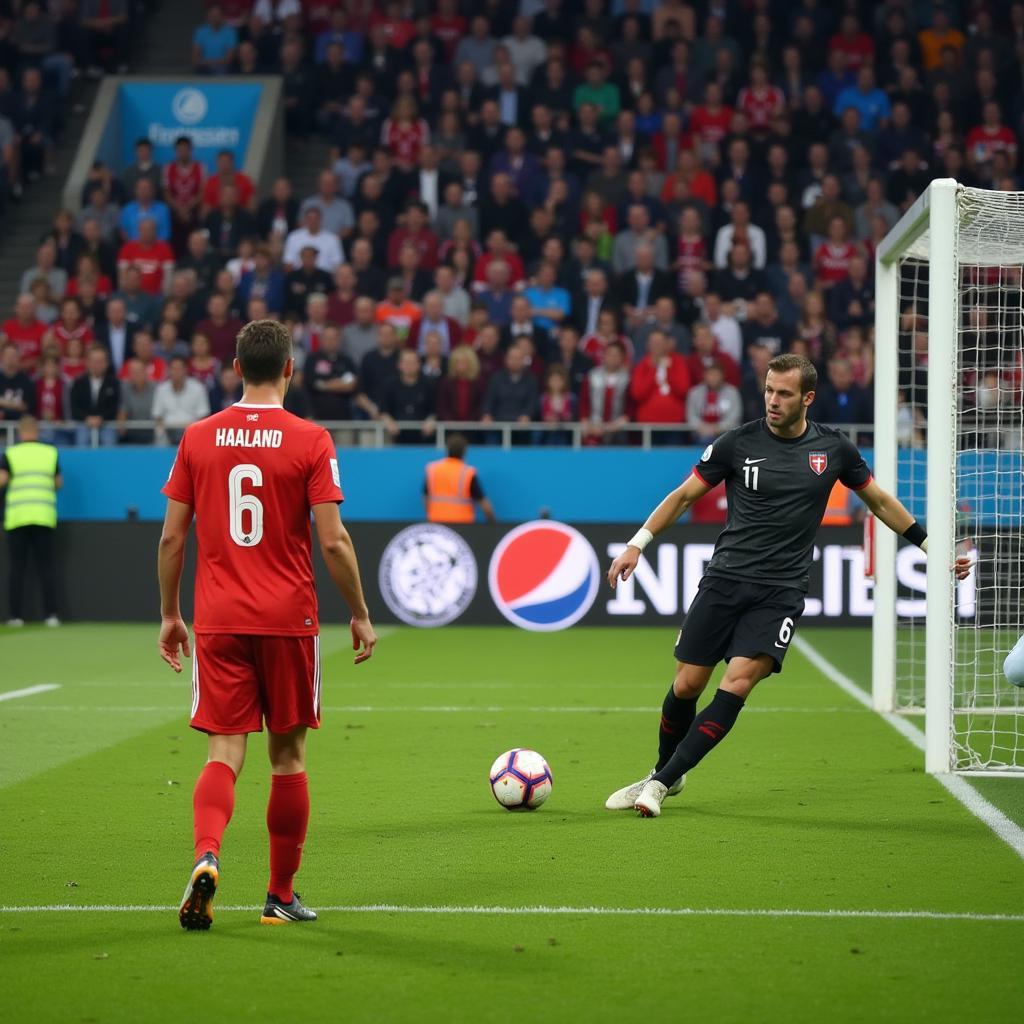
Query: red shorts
238 681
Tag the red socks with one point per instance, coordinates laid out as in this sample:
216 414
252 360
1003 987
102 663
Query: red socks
287 818
213 800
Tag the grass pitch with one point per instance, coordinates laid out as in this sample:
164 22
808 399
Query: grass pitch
717 911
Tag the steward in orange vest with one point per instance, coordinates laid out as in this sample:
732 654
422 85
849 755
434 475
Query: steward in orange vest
452 489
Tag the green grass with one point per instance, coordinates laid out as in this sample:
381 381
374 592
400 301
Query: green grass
812 804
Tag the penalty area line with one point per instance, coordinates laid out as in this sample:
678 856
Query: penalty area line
500 911
959 788
29 691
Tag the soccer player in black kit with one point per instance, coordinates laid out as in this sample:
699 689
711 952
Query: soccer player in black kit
778 474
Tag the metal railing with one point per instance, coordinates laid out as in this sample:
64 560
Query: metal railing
377 434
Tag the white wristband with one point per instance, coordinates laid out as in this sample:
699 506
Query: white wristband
640 539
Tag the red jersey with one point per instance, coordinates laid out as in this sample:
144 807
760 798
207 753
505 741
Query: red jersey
156 370
50 399
859 49
83 332
691 255
244 189
183 184
28 338
832 262
710 127
104 287
761 105
72 368
252 473
152 260
983 142
449 31
405 141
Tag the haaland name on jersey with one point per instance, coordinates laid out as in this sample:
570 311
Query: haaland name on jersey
231 437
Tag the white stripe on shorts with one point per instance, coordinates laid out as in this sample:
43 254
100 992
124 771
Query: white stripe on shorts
316 675
195 680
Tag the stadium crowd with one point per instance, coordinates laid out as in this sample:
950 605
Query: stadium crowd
608 212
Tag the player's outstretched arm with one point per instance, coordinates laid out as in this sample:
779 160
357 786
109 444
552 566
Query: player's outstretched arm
889 510
671 508
340 555
169 561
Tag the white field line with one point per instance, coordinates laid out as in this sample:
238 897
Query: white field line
29 691
446 710
499 911
959 788
453 709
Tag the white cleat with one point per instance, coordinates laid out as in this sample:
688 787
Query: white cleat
625 799
648 803
52 621
16 623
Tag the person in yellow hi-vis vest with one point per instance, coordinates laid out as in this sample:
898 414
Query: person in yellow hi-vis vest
451 490
30 472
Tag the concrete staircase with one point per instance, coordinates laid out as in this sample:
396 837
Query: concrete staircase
305 159
161 45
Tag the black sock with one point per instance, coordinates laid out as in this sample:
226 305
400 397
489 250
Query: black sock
677 715
707 730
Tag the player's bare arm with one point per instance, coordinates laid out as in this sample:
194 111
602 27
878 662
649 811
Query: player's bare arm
340 556
893 513
668 511
170 558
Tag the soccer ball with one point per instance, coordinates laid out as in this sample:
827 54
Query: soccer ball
520 780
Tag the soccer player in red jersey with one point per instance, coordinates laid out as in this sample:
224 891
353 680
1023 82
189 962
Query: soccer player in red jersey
250 476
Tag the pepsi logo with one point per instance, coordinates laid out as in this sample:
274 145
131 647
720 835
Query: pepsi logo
544 576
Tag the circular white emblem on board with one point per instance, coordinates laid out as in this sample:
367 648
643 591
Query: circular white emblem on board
707 453
189 106
427 575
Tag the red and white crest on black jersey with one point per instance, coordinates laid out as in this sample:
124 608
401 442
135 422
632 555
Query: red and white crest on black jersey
818 461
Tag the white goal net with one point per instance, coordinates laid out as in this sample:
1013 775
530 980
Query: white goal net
949 437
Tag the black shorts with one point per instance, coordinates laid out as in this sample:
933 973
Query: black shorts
736 618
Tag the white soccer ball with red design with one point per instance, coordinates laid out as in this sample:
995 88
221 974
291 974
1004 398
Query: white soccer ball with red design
520 780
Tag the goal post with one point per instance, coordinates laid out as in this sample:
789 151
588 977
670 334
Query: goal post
949 429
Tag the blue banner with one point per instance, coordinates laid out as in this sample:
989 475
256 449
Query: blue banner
215 115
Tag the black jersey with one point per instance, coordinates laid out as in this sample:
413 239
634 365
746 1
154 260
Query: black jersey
777 489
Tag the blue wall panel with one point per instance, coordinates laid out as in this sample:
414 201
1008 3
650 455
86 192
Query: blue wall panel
585 486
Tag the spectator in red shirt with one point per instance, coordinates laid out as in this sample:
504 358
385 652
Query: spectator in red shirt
858 46
50 390
144 350
153 259
25 332
460 394
498 248
709 122
71 325
89 273
707 352
201 364
659 385
398 30
760 101
341 303
449 26
417 231
245 191
404 134
832 259
991 137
